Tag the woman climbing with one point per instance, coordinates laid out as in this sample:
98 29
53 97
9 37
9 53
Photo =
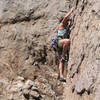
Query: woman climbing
63 43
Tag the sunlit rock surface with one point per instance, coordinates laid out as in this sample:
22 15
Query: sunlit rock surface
28 69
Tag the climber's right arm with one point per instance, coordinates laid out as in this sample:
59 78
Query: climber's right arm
64 21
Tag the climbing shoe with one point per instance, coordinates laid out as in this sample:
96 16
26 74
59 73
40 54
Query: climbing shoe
62 79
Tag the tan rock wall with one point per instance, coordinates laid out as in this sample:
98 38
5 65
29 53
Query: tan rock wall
25 35
26 30
84 60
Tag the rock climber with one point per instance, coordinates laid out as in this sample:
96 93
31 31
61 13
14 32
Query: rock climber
63 43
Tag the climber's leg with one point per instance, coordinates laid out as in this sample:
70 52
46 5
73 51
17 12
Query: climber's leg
60 68
64 43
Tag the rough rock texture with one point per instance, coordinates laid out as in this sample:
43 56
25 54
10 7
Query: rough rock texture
84 61
26 27
28 70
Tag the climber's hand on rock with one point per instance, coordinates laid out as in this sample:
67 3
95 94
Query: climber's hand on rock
69 13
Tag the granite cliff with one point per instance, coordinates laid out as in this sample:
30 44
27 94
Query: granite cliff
28 69
84 63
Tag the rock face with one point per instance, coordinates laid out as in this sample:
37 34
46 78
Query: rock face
84 61
27 64
26 27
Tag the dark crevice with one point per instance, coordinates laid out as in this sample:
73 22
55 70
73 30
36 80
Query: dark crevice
26 96
77 1
84 90
80 93
96 13
26 18
78 65
73 88
19 20
84 3
88 92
